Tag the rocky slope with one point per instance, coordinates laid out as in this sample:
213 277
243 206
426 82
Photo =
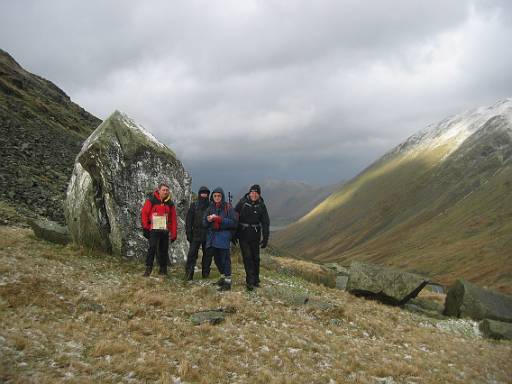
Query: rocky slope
439 203
69 315
41 132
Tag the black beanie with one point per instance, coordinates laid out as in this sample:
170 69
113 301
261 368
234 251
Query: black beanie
203 189
255 188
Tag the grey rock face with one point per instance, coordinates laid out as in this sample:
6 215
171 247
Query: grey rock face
384 284
341 282
50 231
496 329
118 166
467 300
339 269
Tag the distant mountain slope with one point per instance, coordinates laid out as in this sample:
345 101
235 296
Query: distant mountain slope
41 132
288 201
439 203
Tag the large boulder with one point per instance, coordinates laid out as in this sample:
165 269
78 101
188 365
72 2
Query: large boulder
384 284
467 300
118 166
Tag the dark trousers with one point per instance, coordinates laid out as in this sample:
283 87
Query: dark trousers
251 255
193 251
222 260
160 240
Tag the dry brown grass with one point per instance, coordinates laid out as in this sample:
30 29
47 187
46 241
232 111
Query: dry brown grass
68 315
312 272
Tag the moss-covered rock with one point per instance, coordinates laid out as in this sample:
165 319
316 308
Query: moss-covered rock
384 284
118 166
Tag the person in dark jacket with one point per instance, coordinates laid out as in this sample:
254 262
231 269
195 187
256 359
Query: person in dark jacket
158 218
253 224
196 234
220 219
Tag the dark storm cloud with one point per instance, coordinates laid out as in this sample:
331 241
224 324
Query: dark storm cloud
298 90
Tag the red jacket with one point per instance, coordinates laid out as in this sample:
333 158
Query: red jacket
154 204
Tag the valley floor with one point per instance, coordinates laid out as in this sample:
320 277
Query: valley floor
68 315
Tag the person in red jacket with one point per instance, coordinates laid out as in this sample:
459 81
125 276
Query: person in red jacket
159 224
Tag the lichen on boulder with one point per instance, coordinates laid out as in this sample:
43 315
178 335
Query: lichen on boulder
119 165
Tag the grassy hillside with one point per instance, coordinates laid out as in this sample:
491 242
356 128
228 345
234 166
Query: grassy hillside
70 315
439 211
41 132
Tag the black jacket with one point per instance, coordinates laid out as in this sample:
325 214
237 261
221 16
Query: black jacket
194 220
253 220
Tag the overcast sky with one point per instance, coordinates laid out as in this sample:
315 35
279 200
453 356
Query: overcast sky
248 90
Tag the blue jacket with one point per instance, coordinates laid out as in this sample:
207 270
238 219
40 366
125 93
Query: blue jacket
220 238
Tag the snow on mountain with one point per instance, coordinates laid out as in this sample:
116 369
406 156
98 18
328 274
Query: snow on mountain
453 131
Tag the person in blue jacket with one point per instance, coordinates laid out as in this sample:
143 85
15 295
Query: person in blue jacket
220 220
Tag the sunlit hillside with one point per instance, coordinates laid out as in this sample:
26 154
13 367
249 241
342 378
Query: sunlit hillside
440 204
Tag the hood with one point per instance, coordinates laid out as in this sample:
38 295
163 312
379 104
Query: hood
218 190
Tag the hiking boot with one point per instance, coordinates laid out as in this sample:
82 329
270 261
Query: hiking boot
225 287
189 275
163 270
221 282
249 287
147 272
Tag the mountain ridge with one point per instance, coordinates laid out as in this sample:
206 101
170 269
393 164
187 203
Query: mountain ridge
382 214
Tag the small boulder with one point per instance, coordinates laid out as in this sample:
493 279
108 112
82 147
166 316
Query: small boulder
499 330
50 231
467 300
210 316
384 284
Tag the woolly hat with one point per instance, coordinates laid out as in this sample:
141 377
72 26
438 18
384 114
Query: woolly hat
203 189
255 188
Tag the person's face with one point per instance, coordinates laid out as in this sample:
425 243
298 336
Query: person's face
163 191
253 195
217 197
203 195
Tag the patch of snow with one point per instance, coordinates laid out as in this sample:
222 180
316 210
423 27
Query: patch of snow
453 130
461 326
385 380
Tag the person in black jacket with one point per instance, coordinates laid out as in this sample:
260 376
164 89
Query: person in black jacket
253 222
196 234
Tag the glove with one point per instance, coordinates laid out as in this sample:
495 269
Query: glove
146 233
263 243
